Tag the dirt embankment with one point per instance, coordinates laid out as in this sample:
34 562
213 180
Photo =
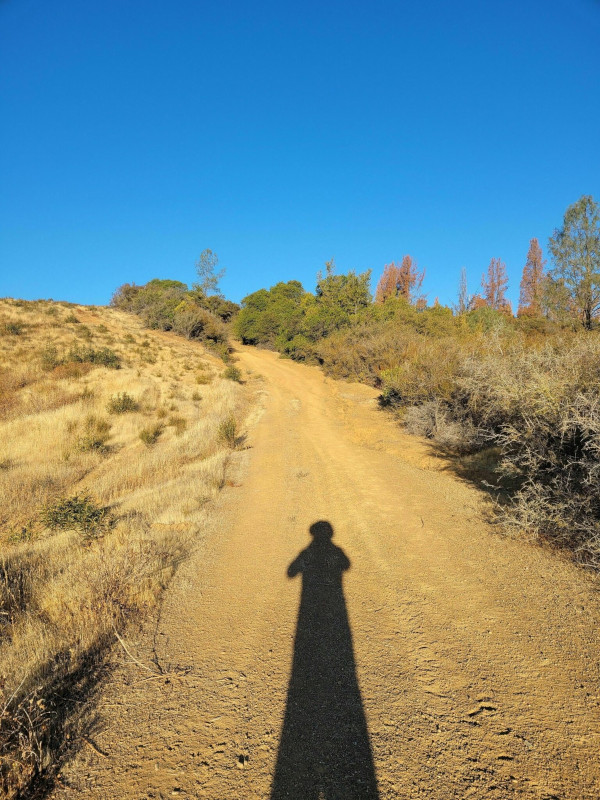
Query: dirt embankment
413 653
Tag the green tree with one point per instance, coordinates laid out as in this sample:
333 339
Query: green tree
348 293
209 277
272 316
575 249
339 301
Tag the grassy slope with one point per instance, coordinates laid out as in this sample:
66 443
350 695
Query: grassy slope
62 595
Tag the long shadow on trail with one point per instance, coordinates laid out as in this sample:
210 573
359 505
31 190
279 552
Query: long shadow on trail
324 751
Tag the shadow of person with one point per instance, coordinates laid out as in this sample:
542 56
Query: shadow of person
324 751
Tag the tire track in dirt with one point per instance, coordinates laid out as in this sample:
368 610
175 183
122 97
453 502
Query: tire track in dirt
475 656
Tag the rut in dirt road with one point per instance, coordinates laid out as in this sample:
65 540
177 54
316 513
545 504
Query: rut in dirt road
445 662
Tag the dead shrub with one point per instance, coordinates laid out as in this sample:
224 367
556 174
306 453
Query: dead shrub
433 420
71 371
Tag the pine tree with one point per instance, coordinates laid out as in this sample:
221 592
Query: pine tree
575 280
530 299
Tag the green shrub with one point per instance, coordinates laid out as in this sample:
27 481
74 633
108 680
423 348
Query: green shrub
232 373
79 512
50 358
122 403
228 432
95 436
13 328
222 350
150 436
72 319
83 332
104 356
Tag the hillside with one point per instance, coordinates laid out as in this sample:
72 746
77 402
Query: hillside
114 442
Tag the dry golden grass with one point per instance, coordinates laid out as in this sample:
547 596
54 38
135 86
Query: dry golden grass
62 594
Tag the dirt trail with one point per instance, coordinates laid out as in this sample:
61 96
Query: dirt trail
445 662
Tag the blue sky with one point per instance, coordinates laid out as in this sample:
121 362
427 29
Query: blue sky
135 134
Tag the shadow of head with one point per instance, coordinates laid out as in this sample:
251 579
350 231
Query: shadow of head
321 531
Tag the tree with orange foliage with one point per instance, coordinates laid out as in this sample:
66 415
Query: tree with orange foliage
410 280
400 281
476 302
530 299
389 283
495 285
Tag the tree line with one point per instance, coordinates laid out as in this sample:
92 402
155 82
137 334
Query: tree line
570 289
290 319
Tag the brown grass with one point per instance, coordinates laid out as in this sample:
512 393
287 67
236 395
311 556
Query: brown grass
62 594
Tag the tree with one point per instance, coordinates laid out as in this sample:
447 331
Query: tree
463 294
267 315
495 285
206 267
346 293
476 302
575 251
532 282
410 280
402 280
389 283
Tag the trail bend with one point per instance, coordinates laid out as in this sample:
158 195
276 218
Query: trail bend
404 651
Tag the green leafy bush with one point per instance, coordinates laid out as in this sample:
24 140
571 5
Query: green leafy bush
122 403
104 356
50 358
79 512
228 432
232 373
13 328
151 435
95 435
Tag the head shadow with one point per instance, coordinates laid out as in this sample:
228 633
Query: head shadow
324 749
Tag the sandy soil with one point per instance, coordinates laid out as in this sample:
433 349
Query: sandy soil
414 653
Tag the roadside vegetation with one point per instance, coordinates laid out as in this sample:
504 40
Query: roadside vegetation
114 440
200 313
515 398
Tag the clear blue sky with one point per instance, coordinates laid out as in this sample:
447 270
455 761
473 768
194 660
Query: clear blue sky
136 133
